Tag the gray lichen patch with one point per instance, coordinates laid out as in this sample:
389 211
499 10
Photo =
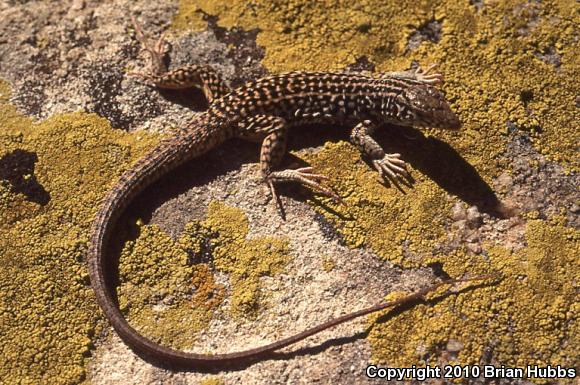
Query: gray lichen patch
77 57
72 57
428 31
543 188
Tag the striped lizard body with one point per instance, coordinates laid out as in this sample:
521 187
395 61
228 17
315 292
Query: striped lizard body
264 109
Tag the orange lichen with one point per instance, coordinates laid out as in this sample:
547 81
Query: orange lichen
155 269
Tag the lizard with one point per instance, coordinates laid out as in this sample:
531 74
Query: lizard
264 109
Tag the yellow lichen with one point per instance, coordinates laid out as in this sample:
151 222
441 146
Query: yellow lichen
156 281
401 226
244 260
490 58
498 77
327 263
213 381
5 91
529 316
48 313
156 270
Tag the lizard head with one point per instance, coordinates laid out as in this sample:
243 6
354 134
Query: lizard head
422 105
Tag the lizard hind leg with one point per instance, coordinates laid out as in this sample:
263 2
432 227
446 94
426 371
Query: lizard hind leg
157 54
190 76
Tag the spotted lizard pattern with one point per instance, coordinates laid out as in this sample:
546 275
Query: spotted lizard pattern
264 109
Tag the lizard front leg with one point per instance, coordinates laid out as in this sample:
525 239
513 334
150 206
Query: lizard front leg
199 76
418 73
273 150
388 165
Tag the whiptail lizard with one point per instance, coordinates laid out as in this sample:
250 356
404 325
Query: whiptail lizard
266 109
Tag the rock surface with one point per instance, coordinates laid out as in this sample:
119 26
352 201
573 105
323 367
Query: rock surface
500 196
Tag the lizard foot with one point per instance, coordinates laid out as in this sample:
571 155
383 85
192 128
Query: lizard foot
305 177
424 75
156 50
391 166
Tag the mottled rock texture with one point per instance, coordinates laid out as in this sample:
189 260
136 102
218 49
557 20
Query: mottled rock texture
205 261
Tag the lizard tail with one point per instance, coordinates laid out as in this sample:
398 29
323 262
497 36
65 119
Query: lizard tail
132 182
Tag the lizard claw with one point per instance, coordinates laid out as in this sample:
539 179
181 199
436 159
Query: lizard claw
423 75
391 166
306 177
156 51
158 48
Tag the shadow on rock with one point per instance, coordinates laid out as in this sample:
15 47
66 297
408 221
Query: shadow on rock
17 167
